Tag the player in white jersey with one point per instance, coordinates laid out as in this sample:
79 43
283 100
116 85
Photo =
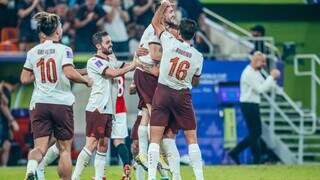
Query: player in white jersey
102 68
53 151
180 68
50 66
146 83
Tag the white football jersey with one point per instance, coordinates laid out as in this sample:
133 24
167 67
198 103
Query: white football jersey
104 90
46 61
179 63
149 36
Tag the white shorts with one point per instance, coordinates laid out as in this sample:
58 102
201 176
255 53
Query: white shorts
119 126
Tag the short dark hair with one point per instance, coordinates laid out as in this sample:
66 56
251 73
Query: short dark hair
97 37
47 23
187 28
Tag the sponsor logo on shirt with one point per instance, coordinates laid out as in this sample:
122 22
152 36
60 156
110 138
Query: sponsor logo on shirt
98 63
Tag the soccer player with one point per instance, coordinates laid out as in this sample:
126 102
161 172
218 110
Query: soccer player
120 128
180 68
102 68
146 84
50 66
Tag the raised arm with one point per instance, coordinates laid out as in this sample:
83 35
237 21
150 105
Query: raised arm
157 18
25 12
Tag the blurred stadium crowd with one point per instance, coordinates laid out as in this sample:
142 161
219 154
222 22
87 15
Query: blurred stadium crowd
124 20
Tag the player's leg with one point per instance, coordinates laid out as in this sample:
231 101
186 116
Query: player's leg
194 153
172 153
6 146
139 171
84 157
184 116
100 158
143 139
138 168
42 126
63 127
119 133
124 155
103 136
156 133
96 127
51 155
158 122
65 163
35 156
146 85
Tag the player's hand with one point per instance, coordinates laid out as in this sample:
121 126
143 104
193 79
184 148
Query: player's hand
142 51
275 73
15 126
137 63
89 82
132 88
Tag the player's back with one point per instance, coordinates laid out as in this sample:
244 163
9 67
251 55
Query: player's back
149 36
51 86
180 62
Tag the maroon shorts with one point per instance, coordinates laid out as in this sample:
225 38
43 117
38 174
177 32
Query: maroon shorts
146 85
52 118
178 103
134 130
98 125
172 126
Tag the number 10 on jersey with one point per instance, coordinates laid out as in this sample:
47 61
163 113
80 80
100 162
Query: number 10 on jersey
48 70
179 69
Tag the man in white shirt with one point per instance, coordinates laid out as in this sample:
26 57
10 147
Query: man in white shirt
180 68
115 25
252 84
102 68
50 66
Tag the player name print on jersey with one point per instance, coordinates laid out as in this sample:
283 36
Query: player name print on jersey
183 53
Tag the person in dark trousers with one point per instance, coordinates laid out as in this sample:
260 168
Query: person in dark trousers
252 84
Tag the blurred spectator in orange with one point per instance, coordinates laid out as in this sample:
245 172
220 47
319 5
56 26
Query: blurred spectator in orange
28 35
88 19
115 22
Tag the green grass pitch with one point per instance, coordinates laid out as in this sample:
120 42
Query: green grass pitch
269 172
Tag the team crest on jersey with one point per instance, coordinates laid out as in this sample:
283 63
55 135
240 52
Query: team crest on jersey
98 63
